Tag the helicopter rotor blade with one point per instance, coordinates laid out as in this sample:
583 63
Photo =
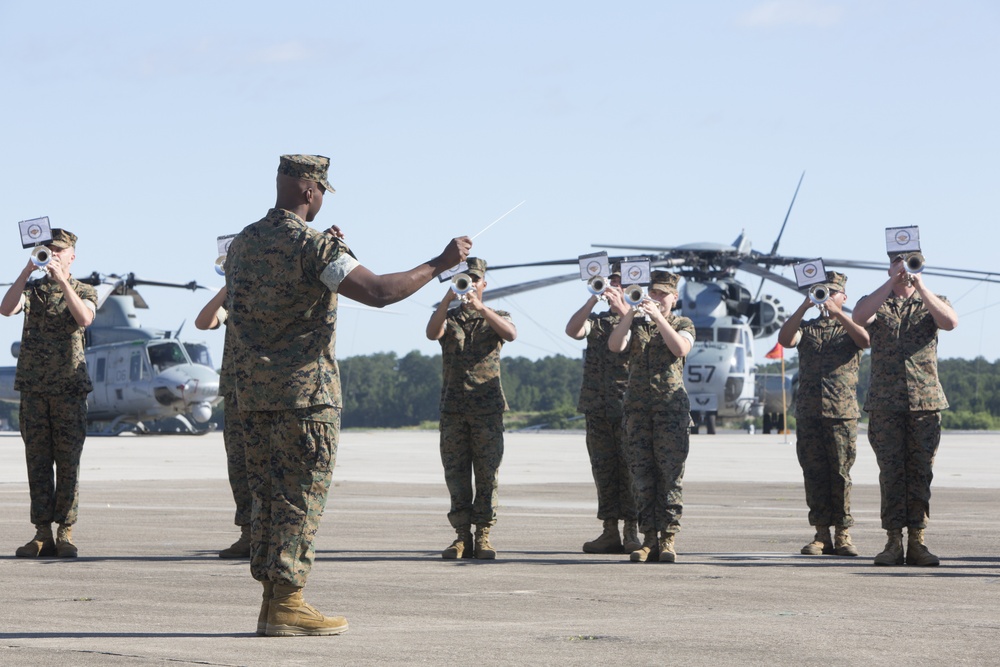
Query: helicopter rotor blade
510 290
774 248
767 274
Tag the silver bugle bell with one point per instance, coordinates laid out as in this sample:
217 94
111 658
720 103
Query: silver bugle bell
597 285
41 256
818 294
914 262
461 284
634 295
220 265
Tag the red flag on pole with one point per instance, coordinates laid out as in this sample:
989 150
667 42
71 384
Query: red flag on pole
778 352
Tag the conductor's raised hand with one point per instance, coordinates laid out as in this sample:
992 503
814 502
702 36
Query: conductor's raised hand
457 251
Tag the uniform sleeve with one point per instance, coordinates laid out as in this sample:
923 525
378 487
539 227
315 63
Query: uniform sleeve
328 259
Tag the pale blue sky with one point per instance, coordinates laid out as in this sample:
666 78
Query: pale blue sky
151 128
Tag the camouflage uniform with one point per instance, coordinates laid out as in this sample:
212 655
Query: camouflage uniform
53 381
605 376
472 407
282 277
827 417
904 404
657 416
233 437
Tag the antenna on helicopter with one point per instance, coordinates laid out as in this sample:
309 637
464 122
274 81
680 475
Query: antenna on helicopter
774 248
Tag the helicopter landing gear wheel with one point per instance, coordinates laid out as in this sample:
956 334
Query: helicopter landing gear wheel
710 423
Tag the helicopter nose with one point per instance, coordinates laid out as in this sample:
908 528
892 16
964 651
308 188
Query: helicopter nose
191 383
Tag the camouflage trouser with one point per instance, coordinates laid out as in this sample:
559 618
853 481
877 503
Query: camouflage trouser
656 444
53 428
609 465
472 444
827 449
905 444
236 458
290 458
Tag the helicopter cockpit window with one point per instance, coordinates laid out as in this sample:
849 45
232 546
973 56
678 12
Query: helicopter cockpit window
739 362
165 355
199 354
704 334
135 367
728 335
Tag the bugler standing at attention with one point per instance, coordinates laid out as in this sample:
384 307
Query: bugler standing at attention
53 381
830 349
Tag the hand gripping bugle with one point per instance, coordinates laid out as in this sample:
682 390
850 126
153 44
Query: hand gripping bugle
41 256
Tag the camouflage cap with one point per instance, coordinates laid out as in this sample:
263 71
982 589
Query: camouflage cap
616 270
835 281
664 281
477 267
306 167
62 239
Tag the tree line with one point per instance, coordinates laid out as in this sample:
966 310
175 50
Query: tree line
383 390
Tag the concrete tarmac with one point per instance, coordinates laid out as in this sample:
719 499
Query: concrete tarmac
149 588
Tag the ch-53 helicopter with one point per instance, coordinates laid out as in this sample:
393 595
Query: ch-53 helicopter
720 373
143 378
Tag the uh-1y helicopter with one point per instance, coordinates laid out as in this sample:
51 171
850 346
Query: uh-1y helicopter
145 380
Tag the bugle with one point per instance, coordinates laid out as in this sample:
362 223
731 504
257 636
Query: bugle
914 262
819 294
597 285
41 256
220 265
634 295
462 284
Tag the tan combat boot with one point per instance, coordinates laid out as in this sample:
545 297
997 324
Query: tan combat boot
842 542
893 552
64 542
609 541
484 550
667 553
916 552
290 616
630 536
40 545
241 547
461 547
265 607
648 550
821 544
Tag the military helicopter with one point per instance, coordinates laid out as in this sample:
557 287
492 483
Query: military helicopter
720 373
145 380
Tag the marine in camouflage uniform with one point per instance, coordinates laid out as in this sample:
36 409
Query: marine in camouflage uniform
605 376
904 404
472 407
283 279
657 414
53 382
213 316
830 349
